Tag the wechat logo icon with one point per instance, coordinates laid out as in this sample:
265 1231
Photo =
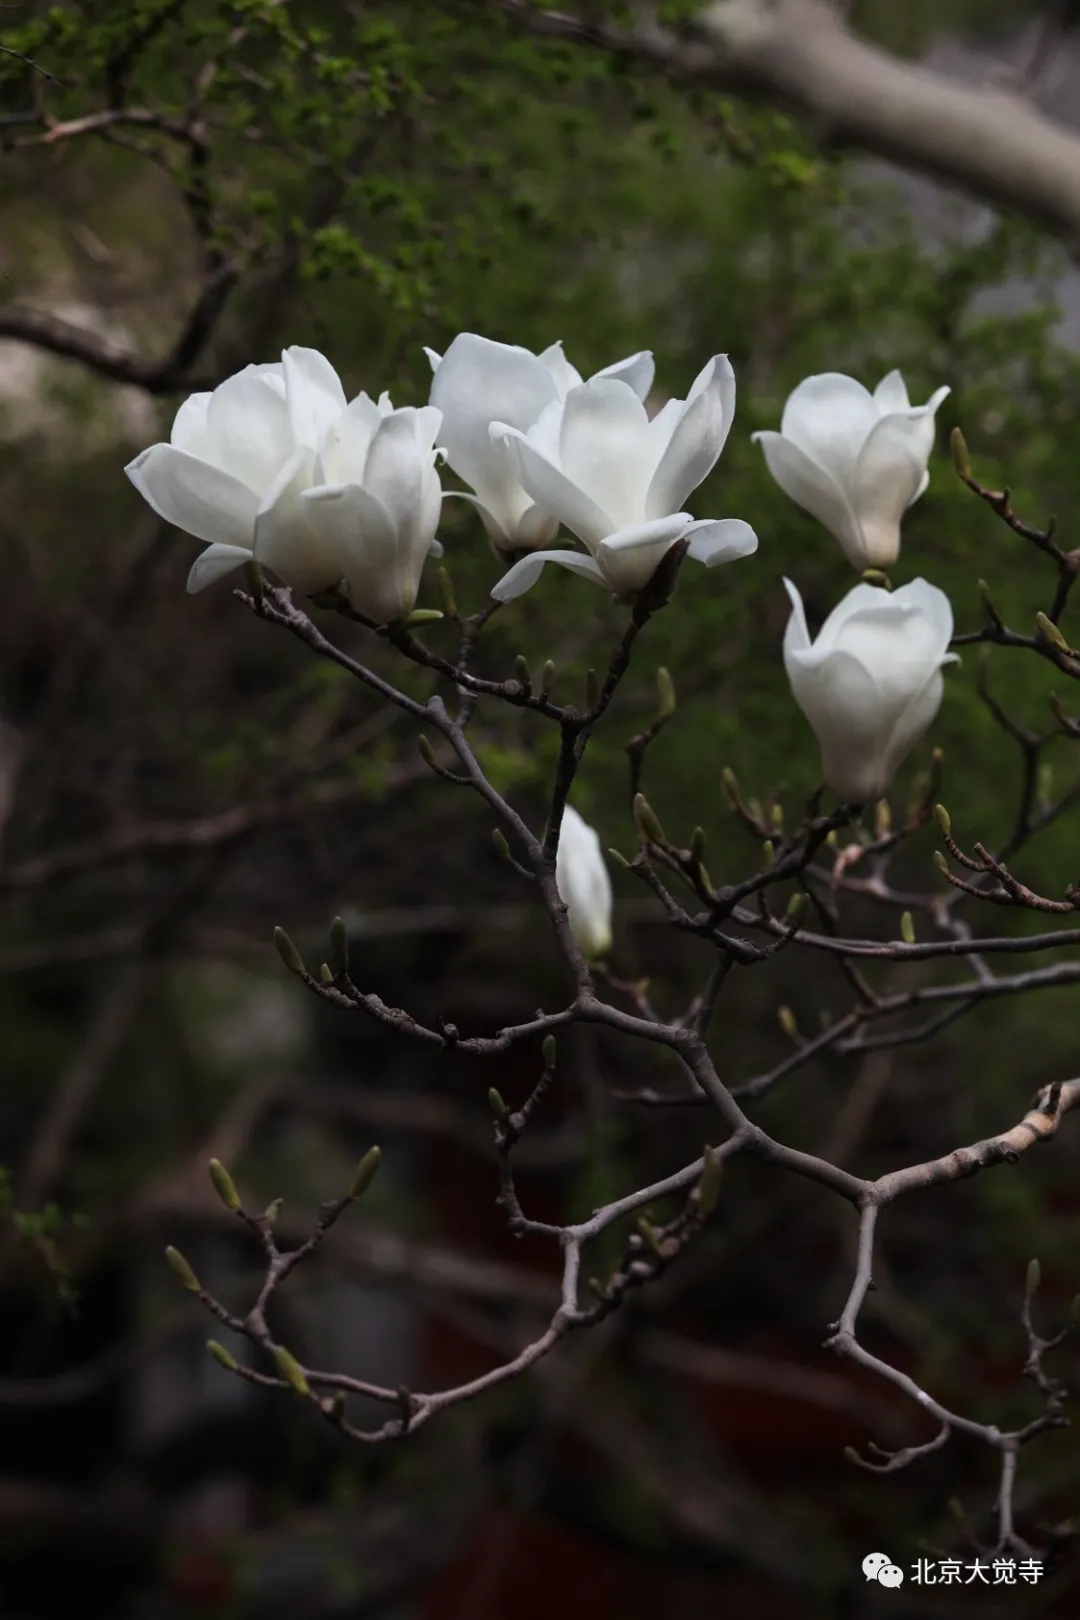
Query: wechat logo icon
879 1567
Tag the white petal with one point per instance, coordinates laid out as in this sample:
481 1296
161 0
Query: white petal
213 564
550 488
698 438
841 701
630 558
524 574
584 884
247 429
714 541
913 721
381 576
477 383
284 539
888 477
830 417
637 370
891 394
604 447
564 375
812 488
796 636
394 473
434 359
314 394
347 441
195 496
189 426
932 603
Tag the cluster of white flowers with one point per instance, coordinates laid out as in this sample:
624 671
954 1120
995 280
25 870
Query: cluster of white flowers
277 466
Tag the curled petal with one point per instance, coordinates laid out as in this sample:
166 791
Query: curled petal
213 564
314 394
699 436
637 371
816 490
552 490
195 496
714 541
891 394
525 573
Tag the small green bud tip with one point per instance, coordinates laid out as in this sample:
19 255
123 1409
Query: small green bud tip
446 587
224 1185
787 1021
697 846
1033 1279
650 1234
336 1405
960 458
221 1355
182 1269
876 576
907 928
708 1188
665 687
940 862
427 753
364 1174
547 678
254 576
1051 633
619 859
498 838
421 616
326 973
549 1051
273 1210
944 820
289 954
339 947
852 1456
289 1368
647 821
796 906
595 1287
768 854
497 1105
521 669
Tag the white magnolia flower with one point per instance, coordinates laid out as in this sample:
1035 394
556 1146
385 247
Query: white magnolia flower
618 481
584 884
478 382
277 465
855 460
871 682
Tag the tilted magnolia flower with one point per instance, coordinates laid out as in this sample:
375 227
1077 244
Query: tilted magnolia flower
871 682
477 382
584 884
618 481
276 464
855 460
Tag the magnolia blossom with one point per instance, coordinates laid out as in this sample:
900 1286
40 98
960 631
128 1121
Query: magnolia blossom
618 480
856 460
871 682
477 382
276 464
584 884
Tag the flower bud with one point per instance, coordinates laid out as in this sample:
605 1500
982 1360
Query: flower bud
960 458
647 822
708 1187
446 590
549 1050
224 1185
786 1019
666 689
1033 1279
907 928
289 954
944 820
183 1270
497 1105
547 678
326 973
1050 632
339 948
290 1370
221 1355
364 1174
521 669
420 616
940 862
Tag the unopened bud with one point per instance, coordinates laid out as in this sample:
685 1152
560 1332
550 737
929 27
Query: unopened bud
182 1269
665 688
339 948
596 1288
273 1210
776 818
548 1050
651 1236
427 753
326 973
882 819
852 1456
960 458
497 1105
498 838
446 589
592 691
547 678
876 576
1050 632
224 1185
907 928
289 954
521 670
786 1019
619 859
253 575
421 616
697 846
940 862
708 1187
768 854
289 1368
221 1355
364 1174
986 599
796 906
730 784
944 820
646 821
1033 1279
